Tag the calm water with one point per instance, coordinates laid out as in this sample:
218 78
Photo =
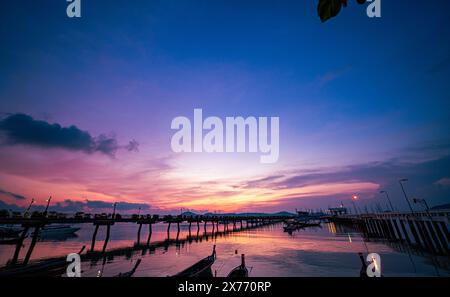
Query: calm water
327 251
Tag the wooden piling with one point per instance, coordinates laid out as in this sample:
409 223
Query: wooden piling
108 231
32 244
93 237
19 245
405 233
139 234
434 238
414 233
149 233
168 230
441 237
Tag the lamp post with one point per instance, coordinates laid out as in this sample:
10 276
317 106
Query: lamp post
28 208
354 198
114 210
387 196
424 202
48 204
404 193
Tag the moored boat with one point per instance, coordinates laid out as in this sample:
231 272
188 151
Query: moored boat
200 269
289 228
57 230
9 241
50 267
7 231
294 225
239 271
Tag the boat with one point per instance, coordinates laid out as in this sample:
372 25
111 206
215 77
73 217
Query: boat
131 272
289 228
292 226
57 230
14 240
8 231
200 269
239 271
304 225
51 267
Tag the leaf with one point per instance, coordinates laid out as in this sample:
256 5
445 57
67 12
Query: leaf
327 9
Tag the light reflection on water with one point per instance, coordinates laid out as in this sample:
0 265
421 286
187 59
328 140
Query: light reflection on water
269 252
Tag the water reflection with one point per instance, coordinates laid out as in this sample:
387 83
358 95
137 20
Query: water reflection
327 251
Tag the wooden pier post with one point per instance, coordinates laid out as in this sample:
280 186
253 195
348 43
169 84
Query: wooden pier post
376 227
414 232
149 233
441 237
381 228
32 244
108 231
19 246
445 230
405 233
399 234
425 236
434 237
168 229
389 229
93 238
139 234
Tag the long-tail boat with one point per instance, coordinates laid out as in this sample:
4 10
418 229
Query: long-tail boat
200 269
239 271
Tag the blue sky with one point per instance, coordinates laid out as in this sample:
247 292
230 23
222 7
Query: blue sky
350 91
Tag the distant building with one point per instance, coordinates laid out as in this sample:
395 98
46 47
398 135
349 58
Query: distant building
337 211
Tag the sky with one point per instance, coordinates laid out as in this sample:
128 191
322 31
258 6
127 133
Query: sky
86 103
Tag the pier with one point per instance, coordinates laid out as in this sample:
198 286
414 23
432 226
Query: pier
221 225
426 230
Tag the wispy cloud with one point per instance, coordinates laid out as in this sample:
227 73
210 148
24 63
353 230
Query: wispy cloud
333 75
13 195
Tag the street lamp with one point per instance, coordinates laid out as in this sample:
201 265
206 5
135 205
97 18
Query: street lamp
404 193
423 201
354 198
48 204
114 210
28 208
387 196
